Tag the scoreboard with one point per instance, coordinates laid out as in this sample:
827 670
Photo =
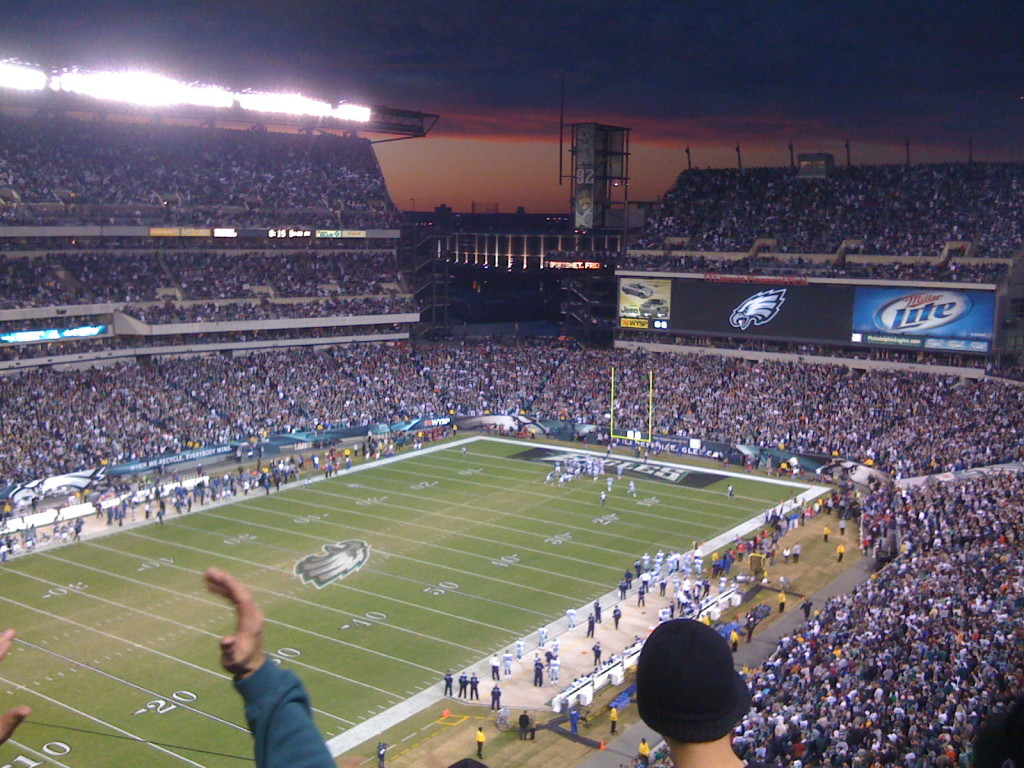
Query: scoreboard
910 317
278 233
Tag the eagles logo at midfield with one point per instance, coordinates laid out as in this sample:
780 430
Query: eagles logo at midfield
759 309
337 562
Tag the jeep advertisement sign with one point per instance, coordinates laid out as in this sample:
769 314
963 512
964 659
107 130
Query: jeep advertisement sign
643 300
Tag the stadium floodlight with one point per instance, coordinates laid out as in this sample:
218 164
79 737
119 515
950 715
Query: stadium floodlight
284 104
21 77
352 112
141 88
146 89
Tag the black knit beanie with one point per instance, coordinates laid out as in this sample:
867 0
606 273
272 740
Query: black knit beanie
686 686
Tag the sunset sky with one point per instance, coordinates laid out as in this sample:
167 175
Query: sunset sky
703 74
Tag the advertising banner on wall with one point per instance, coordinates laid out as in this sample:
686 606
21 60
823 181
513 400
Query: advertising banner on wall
643 301
583 204
924 318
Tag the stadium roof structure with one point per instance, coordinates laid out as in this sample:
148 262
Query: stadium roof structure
395 123
404 123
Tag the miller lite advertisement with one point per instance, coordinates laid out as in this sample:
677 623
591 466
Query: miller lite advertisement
928 318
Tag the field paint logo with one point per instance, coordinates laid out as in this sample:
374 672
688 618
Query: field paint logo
918 312
759 309
337 562
671 474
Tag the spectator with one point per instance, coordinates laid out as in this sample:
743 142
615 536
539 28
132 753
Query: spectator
688 691
277 706
915 659
13 717
71 171
892 209
906 424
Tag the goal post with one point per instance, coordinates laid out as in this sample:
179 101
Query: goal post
634 435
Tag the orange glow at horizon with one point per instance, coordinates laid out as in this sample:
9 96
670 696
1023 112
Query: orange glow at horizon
518 171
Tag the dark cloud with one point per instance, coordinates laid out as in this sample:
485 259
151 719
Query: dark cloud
759 71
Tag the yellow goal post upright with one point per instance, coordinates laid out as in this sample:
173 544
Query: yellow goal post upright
634 435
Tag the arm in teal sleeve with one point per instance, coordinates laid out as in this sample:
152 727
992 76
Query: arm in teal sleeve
279 716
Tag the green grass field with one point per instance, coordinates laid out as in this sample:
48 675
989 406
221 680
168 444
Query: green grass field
467 553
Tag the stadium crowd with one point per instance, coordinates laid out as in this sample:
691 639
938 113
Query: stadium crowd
893 209
835 352
98 172
474 379
29 282
210 312
79 277
904 423
796 266
130 345
903 671
298 273
1010 369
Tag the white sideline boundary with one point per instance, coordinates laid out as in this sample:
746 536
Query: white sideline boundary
430 696
373 726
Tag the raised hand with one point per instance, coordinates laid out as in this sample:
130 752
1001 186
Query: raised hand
241 654
12 718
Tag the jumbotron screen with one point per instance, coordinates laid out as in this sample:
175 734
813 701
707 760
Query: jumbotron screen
907 317
644 301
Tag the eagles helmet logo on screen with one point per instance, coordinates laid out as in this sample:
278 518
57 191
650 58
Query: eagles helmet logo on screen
759 309
336 562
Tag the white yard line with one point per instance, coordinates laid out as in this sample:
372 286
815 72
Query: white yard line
89 628
597 508
36 752
179 624
130 684
548 498
319 541
339 584
264 590
420 561
501 465
486 540
219 605
97 720
418 542
348 615
658 462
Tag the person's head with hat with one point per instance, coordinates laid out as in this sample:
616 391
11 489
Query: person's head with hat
1001 739
689 692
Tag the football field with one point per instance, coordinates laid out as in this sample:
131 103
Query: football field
374 583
